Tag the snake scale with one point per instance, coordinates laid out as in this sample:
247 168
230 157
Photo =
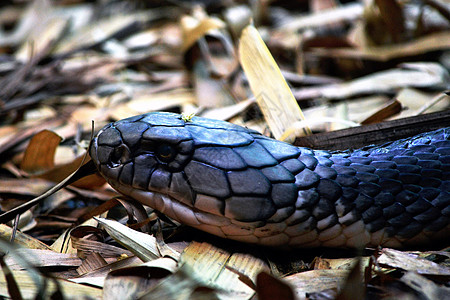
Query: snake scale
235 183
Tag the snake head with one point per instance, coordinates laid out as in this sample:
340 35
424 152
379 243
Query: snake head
142 152
213 175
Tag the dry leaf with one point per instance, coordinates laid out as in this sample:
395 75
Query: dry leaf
40 152
411 262
141 244
272 93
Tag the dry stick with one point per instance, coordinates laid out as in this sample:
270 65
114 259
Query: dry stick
85 170
373 134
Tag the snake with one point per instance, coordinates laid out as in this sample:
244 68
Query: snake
235 183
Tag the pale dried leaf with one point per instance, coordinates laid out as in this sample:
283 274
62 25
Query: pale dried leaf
194 29
228 112
92 262
29 289
384 81
141 244
346 12
432 42
22 239
132 281
42 258
97 277
153 102
411 262
43 39
268 85
221 270
425 287
317 280
339 263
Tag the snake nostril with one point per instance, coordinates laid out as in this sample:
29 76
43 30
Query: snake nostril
119 156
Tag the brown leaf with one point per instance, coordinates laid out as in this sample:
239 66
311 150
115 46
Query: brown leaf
39 155
269 287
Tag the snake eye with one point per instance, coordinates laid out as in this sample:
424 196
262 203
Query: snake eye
165 153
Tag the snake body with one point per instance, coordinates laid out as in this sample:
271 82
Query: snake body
235 183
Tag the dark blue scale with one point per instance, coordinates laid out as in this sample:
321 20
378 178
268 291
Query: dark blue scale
220 157
410 229
219 137
428 216
412 188
307 198
144 164
127 174
349 193
199 173
363 202
284 194
344 170
381 157
384 199
426 156
160 179
445 159
243 208
324 161
405 160
408 168
309 160
443 151
104 157
180 187
278 173
323 209
110 137
430 182
249 182
387 173
367 177
429 164
393 210
306 179
326 172
329 189
293 165
339 160
361 160
347 180
369 188
436 173
383 164
171 135
280 151
371 214
437 224
417 207
256 155
363 168
409 178
423 148
429 193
